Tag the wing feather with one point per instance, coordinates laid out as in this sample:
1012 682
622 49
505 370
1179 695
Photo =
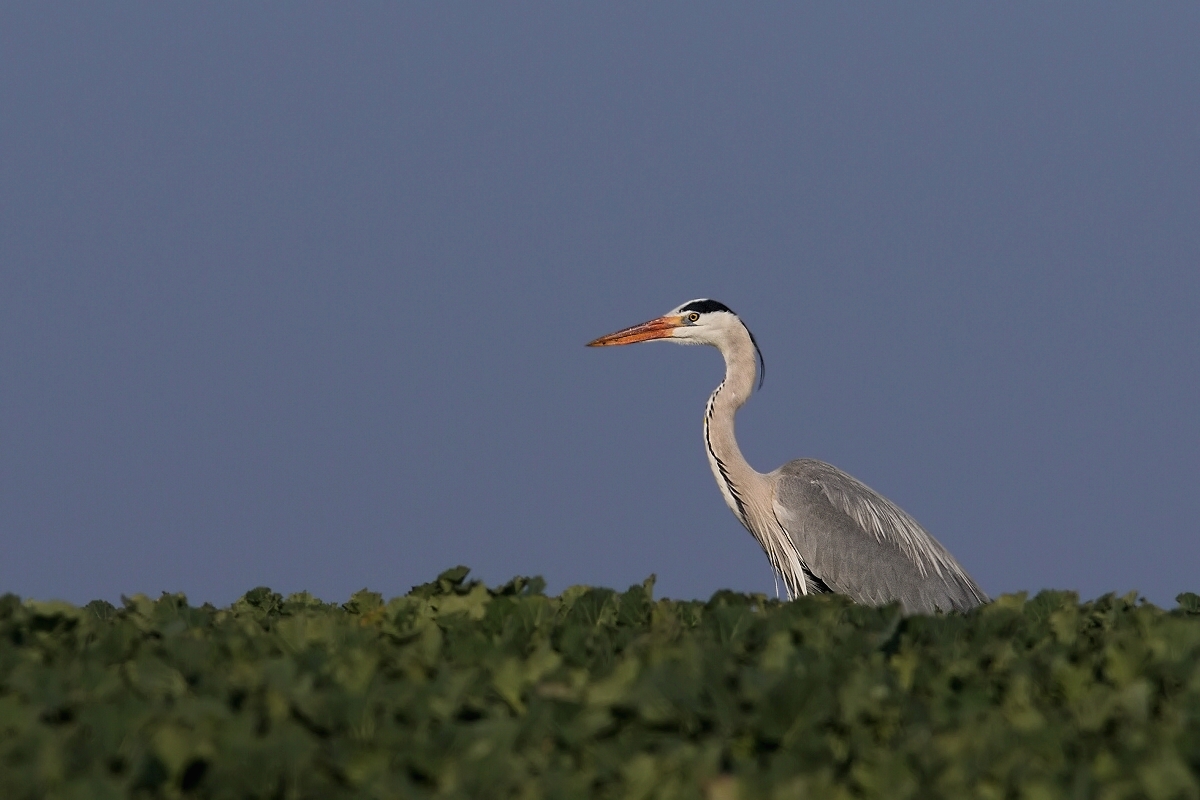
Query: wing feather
863 545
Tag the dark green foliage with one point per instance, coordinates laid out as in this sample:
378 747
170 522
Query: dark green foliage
457 690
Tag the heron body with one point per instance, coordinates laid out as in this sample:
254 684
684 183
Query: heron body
822 530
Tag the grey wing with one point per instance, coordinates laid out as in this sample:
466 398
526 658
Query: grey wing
862 545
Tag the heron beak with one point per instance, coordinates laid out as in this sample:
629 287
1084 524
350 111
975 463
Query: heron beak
661 328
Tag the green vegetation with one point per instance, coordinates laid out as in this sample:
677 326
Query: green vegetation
457 690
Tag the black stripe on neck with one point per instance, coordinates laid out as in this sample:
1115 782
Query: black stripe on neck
724 470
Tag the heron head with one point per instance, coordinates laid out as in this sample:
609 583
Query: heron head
695 322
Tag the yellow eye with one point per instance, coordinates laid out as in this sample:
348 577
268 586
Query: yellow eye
692 317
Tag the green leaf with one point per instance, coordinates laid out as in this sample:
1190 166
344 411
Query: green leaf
1189 602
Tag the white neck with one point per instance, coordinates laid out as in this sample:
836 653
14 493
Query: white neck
740 484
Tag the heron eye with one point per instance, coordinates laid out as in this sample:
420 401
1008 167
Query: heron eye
692 317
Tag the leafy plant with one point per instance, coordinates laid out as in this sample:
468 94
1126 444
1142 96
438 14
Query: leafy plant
456 690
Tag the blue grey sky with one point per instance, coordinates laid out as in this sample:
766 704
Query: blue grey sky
297 294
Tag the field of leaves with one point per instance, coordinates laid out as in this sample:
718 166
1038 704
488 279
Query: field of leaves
460 691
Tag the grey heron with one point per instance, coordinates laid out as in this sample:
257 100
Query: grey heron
822 530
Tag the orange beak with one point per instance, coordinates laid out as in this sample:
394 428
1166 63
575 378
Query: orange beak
660 328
